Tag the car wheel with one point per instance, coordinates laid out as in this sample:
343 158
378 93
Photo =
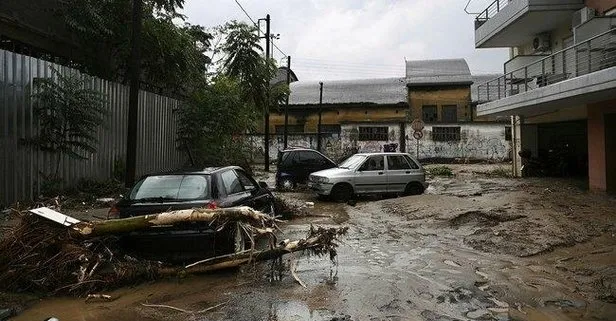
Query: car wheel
239 239
413 188
231 239
287 184
342 192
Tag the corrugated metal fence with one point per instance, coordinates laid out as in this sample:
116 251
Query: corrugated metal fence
20 165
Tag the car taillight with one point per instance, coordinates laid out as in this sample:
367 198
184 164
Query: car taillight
113 213
211 205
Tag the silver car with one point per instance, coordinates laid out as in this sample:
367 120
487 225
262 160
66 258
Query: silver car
370 173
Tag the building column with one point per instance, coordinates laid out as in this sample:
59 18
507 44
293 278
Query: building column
597 157
516 145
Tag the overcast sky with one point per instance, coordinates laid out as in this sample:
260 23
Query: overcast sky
352 39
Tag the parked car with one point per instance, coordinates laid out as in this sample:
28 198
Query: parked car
295 165
372 173
210 188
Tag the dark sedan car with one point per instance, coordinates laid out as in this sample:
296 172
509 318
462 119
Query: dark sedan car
210 188
295 165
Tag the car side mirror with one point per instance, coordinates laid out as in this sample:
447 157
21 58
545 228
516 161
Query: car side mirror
263 185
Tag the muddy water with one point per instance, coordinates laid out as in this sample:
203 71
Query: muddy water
410 259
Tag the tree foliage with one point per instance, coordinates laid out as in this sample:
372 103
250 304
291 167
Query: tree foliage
211 120
173 56
69 115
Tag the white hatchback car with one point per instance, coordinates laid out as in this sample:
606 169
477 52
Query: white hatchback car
370 173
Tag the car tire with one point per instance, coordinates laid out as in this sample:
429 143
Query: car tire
231 239
287 184
342 192
413 188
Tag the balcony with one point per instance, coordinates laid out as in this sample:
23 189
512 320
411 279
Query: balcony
520 61
566 72
592 27
509 23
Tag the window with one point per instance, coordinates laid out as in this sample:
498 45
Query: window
330 129
508 133
311 158
290 129
178 187
373 163
373 133
247 183
397 162
411 162
449 114
445 134
231 182
429 113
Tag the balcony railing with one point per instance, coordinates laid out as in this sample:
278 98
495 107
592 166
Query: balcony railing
490 12
592 55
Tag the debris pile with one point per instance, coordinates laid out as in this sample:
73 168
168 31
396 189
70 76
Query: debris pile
78 258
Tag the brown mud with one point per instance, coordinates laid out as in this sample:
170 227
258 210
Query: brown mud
469 249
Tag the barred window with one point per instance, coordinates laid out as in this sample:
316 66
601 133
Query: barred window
330 129
445 134
373 133
290 129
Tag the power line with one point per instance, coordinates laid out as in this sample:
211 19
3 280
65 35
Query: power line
257 25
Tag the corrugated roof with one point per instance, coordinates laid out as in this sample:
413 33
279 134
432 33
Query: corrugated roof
438 72
375 91
481 80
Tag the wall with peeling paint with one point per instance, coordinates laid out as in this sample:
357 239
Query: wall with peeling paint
478 141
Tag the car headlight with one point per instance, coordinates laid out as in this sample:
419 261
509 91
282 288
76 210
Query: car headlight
322 179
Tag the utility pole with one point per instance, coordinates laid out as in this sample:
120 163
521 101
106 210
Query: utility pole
267 92
286 106
320 112
133 97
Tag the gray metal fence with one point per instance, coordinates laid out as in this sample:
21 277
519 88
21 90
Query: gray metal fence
20 166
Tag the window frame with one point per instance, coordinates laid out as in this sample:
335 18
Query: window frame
409 167
224 186
446 133
366 162
443 113
373 133
423 113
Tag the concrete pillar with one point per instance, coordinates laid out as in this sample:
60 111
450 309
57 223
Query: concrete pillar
516 145
597 167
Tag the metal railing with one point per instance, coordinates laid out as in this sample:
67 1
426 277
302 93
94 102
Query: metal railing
490 12
592 55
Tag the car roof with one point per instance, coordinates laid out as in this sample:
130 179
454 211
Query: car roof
382 153
193 171
299 149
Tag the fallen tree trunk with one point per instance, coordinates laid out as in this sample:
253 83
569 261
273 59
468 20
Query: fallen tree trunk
319 241
241 214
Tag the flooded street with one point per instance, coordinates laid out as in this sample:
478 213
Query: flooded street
468 249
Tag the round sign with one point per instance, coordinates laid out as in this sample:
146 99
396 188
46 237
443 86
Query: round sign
418 135
417 125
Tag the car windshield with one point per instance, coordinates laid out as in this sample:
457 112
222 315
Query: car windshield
171 187
353 161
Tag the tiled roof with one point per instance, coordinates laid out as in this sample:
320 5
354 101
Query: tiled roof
437 72
372 91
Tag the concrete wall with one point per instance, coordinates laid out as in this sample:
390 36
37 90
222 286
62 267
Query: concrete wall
479 141
597 167
440 96
339 114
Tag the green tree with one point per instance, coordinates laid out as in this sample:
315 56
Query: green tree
69 115
173 56
211 121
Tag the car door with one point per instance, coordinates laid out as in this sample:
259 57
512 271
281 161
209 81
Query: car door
260 199
370 176
309 162
235 194
399 173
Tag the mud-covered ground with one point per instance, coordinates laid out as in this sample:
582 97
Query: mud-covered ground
473 247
